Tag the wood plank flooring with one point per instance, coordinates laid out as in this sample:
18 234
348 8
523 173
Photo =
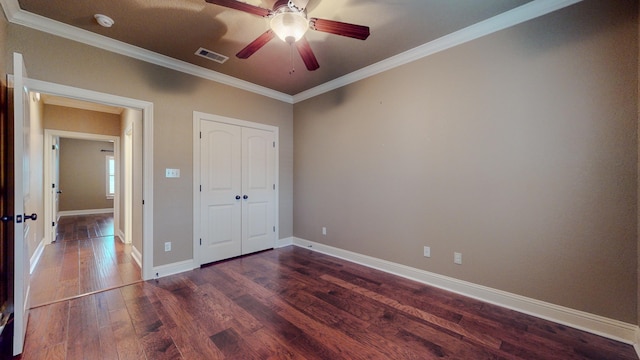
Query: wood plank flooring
86 257
83 227
292 303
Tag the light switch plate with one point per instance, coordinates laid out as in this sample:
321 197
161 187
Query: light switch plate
172 173
457 258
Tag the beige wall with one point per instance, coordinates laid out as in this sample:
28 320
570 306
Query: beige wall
519 150
83 175
83 121
175 96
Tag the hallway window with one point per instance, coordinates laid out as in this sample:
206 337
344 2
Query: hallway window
111 176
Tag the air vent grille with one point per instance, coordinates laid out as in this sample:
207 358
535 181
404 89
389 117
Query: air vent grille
212 55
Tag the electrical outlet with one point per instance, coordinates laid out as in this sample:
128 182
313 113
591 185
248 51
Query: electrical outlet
324 230
167 246
457 258
427 251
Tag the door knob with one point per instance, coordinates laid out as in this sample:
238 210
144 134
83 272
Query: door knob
237 197
59 192
32 217
245 197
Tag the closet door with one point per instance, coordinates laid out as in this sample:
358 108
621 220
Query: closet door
220 197
237 197
258 190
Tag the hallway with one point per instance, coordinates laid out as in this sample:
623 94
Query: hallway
86 257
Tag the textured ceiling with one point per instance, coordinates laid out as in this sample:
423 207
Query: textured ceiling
178 28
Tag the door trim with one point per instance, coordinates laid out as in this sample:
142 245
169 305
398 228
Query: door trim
147 151
197 117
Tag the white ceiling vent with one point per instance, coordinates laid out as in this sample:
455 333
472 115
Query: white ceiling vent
219 58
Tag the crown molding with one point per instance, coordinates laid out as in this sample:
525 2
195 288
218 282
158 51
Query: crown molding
505 20
531 10
18 16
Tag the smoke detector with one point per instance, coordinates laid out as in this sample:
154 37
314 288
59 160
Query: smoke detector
104 20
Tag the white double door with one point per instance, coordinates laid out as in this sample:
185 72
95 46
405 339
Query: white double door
237 198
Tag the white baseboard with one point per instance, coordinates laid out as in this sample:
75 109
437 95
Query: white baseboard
187 265
284 242
84 212
35 258
120 235
599 325
137 256
174 268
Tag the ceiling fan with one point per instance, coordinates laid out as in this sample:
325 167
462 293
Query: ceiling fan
289 22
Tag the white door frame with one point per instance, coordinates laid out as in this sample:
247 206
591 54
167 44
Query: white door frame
147 152
197 116
49 134
127 189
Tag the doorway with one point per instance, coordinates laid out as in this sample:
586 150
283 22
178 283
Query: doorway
85 250
145 194
83 185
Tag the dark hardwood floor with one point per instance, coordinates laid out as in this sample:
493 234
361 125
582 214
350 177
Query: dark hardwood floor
292 303
81 227
86 257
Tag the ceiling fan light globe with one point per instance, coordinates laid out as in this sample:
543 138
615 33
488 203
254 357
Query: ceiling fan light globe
288 25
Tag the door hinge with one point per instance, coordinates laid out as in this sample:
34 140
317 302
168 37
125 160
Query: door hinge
53 147
53 186
142 202
200 188
53 223
274 186
274 229
274 144
200 134
200 241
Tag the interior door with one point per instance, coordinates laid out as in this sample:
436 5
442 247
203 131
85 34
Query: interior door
21 135
258 190
55 188
220 197
128 184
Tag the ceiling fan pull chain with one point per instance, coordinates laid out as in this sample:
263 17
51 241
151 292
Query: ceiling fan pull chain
293 69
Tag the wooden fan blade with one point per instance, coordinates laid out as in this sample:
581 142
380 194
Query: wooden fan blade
339 28
307 55
256 44
237 5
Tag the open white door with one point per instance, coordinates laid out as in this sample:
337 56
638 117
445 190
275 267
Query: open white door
55 185
21 134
